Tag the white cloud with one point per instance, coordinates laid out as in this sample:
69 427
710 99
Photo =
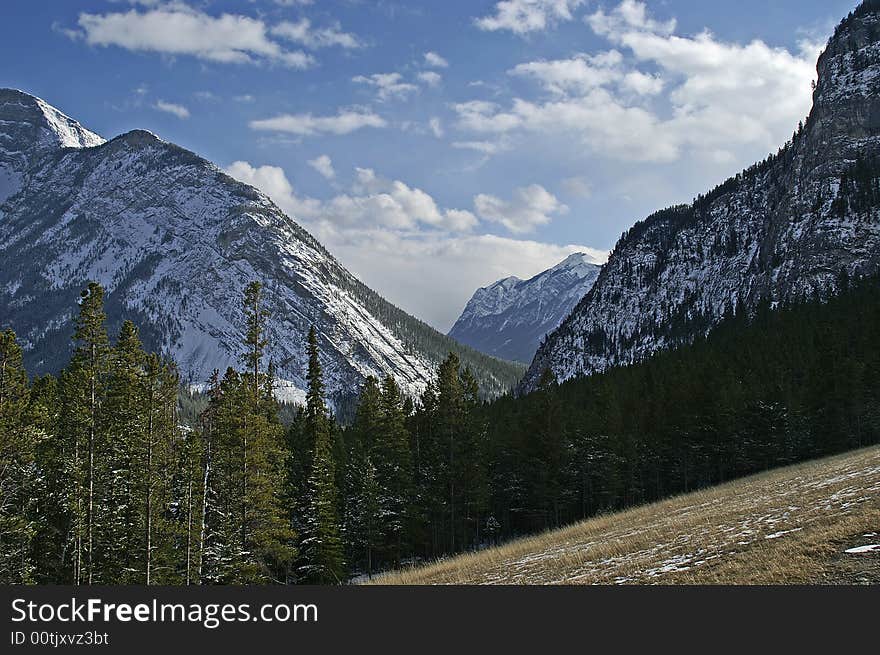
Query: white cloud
244 98
483 116
374 202
530 207
485 147
375 232
171 108
324 166
724 98
436 127
395 205
387 85
303 33
434 60
179 30
642 83
272 181
344 122
628 15
430 78
524 16
578 74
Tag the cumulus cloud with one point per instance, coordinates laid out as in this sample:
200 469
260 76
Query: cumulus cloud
324 165
627 16
434 60
525 16
303 33
579 74
373 201
171 108
344 122
395 238
436 127
722 96
529 207
430 78
387 85
180 30
272 181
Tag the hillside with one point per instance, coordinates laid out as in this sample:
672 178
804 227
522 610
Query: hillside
782 230
788 526
508 319
174 241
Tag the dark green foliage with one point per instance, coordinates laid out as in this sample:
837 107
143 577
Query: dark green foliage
322 560
761 391
230 501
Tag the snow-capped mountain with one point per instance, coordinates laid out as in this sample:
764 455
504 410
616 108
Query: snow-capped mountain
508 319
174 241
784 229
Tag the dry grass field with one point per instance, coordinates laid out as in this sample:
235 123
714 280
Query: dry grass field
786 526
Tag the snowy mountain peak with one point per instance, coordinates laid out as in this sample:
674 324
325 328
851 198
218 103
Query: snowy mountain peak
578 263
509 318
174 241
56 129
31 129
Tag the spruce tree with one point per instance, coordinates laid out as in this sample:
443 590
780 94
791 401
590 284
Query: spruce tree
84 391
18 470
321 545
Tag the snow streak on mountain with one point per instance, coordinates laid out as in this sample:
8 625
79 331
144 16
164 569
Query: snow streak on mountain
508 319
174 241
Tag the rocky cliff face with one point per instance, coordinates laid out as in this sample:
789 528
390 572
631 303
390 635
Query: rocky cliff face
509 319
174 241
784 229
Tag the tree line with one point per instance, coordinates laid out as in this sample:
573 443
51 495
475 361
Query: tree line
102 482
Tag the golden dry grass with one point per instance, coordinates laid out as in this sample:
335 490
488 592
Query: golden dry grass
778 527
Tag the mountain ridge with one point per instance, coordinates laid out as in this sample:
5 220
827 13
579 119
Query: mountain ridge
174 240
783 229
509 318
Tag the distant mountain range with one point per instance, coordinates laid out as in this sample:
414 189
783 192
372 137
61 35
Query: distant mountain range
796 225
174 241
509 319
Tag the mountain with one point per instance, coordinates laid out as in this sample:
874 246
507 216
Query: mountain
796 225
174 241
508 319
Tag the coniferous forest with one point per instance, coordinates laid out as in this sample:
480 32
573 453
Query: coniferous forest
102 481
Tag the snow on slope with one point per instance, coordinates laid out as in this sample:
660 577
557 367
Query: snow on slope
782 230
508 319
174 241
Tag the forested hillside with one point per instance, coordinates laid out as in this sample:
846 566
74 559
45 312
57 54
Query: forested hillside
101 484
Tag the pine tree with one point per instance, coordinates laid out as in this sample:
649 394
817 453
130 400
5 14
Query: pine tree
18 470
247 530
321 545
84 391
126 430
393 471
361 512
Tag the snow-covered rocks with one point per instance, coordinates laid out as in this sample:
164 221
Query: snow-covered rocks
509 318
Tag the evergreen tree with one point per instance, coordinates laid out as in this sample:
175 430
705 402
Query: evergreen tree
18 471
247 529
84 392
321 545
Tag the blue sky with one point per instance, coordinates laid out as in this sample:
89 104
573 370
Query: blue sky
436 147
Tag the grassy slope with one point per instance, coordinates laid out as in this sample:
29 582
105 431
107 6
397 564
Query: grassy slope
784 526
